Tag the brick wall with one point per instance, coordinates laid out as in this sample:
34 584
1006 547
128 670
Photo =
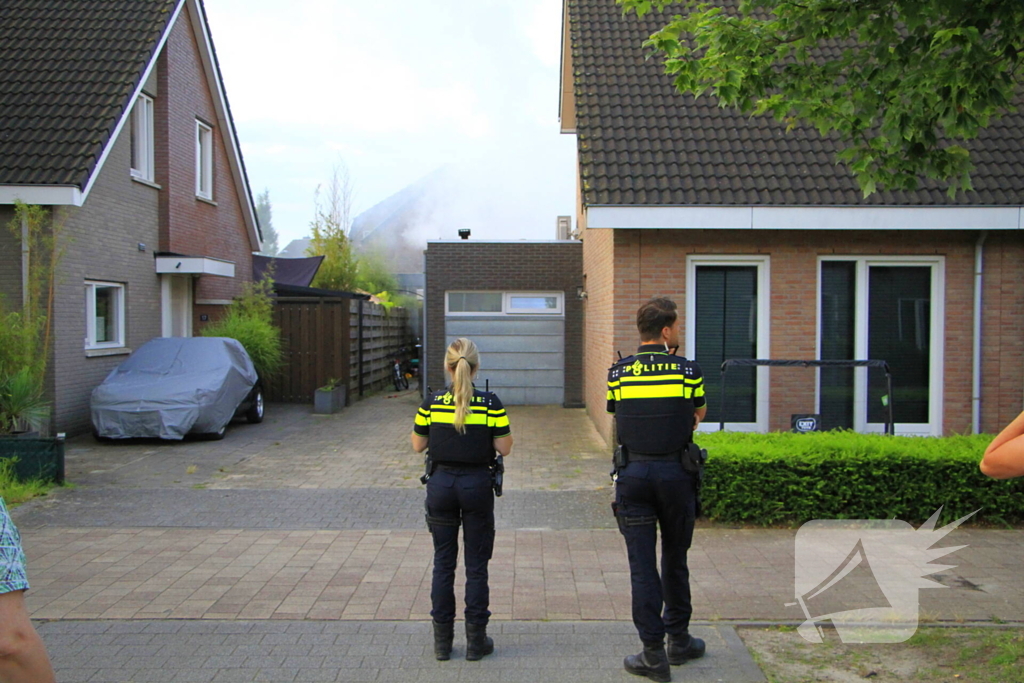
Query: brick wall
506 266
190 225
103 245
645 263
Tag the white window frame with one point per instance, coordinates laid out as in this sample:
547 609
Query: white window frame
510 310
142 139
506 306
860 346
204 160
763 263
90 315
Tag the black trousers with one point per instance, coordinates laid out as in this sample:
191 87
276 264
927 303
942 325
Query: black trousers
648 495
465 495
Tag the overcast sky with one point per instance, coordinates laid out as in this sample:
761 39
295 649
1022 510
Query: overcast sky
398 89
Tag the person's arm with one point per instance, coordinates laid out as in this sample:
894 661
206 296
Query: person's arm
1004 457
698 415
694 380
503 445
23 656
501 430
419 443
421 427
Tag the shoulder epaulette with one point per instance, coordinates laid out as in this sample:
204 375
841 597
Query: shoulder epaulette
627 360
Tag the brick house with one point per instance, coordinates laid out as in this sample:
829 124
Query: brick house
115 118
519 301
771 252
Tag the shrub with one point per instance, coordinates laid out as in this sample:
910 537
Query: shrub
15 491
792 478
249 319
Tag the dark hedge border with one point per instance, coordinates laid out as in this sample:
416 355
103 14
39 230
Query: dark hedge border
786 478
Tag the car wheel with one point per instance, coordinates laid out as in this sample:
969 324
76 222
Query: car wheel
100 439
255 413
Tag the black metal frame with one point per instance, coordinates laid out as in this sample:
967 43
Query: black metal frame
890 426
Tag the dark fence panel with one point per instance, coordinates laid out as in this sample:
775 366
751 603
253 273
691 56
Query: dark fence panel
315 336
321 342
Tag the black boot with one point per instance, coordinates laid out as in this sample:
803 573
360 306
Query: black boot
652 662
681 649
478 644
443 636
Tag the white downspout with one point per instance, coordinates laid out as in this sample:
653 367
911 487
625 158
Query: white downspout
979 250
25 254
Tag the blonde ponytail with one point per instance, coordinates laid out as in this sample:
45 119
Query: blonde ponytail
462 359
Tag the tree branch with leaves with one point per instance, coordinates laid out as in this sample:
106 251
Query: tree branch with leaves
901 84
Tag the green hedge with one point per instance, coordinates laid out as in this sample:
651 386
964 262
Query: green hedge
792 478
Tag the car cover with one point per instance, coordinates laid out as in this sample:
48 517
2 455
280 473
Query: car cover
172 386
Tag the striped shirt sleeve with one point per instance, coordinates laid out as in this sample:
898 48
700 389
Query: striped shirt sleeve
421 425
694 380
497 419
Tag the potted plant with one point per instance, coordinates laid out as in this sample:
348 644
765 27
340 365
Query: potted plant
330 398
22 407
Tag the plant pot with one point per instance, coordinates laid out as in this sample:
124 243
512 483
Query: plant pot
35 457
327 401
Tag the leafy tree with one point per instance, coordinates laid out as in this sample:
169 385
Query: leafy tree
26 332
900 83
330 227
374 274
271 247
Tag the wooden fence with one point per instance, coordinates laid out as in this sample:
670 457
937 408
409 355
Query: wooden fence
321 338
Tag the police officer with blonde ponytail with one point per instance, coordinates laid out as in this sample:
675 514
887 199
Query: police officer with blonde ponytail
463 427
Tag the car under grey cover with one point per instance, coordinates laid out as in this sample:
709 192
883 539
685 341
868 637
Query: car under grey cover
172 386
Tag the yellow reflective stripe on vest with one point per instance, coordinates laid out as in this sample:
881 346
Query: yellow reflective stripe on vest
653 377
448 418
631 391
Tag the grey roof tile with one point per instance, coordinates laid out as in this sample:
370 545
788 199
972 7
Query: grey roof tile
641 142
67 71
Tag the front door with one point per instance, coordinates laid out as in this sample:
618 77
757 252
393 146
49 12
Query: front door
176 303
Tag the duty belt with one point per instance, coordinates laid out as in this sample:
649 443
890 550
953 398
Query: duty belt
671 456
452 466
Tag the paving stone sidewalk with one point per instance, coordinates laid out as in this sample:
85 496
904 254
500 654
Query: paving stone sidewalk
395 652
80 573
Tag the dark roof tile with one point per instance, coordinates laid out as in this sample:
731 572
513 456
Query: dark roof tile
695 152
67 71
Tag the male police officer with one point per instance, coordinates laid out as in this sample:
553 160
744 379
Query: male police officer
657 400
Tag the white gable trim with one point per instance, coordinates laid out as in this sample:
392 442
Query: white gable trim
45 195
808 217
224 120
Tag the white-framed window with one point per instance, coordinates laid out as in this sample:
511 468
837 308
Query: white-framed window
142 138
503 303
727 317
104 315
204 160
889 308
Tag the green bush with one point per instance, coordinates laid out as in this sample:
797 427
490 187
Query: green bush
249 319
792 478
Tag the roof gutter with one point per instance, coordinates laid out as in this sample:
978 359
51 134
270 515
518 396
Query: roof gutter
979 252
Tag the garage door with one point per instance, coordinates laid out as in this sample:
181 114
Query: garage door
521 337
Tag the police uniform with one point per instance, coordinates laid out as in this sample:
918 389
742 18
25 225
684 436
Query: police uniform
653 396
459 490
